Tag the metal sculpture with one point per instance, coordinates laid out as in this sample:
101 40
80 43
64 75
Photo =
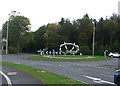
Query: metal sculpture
65 50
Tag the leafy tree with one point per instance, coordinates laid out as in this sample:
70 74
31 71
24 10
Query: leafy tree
26 39
100 32
69 31
50 36
39 40
18 26
85 50
62 21
85 30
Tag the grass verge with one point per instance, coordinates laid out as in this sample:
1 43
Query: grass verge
45 76
97 58
70 56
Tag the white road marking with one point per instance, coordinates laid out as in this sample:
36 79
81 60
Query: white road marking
11 73
45 64
79 69
98 80
69 67
78 80
39 64
101 67
63 66
73 78
17 62
97 66
107 75
7 78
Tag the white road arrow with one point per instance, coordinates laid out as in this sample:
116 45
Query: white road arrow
7 78
98 80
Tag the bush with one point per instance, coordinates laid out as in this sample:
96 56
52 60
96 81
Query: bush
100 50
12 50
115 46
85 50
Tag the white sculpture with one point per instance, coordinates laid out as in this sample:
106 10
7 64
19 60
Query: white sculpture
74 48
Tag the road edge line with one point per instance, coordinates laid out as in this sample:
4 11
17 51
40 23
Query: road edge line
7 78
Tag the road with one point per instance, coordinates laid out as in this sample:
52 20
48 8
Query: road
88 72
15 77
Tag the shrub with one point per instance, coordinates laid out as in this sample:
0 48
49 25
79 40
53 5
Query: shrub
12 50
85 50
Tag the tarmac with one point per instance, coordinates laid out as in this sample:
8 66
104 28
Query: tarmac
19 77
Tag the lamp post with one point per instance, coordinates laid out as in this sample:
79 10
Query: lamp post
7 35
8 30
93 47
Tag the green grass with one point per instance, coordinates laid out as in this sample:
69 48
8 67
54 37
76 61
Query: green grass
70 56
46 77
97 58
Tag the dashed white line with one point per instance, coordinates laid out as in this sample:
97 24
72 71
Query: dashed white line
80 69
73 78
17 62
69 67
7 78
97 80
64 66
39 64
106 75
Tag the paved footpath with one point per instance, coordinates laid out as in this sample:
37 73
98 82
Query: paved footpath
18 77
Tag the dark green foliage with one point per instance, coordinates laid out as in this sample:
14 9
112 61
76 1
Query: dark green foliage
17 28
80 31
100 50
12 49
85 50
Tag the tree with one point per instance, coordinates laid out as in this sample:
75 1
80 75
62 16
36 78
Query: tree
27 40
100 32
62 21
69 31
85 28
85 50
80 31
18 26
51 36
39 40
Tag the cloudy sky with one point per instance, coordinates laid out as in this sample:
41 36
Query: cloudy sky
42 12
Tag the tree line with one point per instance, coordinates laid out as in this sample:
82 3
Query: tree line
50 36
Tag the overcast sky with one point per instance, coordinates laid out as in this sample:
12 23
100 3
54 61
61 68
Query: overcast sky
42 12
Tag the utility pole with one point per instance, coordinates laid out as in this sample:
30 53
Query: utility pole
7 35
8 30
93 47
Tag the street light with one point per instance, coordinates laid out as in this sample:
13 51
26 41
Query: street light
7 35
94 25
12 13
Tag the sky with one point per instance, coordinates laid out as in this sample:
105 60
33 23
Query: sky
42 12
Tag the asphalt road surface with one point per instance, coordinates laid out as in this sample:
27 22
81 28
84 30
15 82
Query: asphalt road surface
15 77
88 72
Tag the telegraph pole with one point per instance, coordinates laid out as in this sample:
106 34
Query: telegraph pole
93 47
8 30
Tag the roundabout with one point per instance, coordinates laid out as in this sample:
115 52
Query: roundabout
69 57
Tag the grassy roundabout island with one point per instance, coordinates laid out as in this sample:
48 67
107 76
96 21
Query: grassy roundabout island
69 58
45 76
